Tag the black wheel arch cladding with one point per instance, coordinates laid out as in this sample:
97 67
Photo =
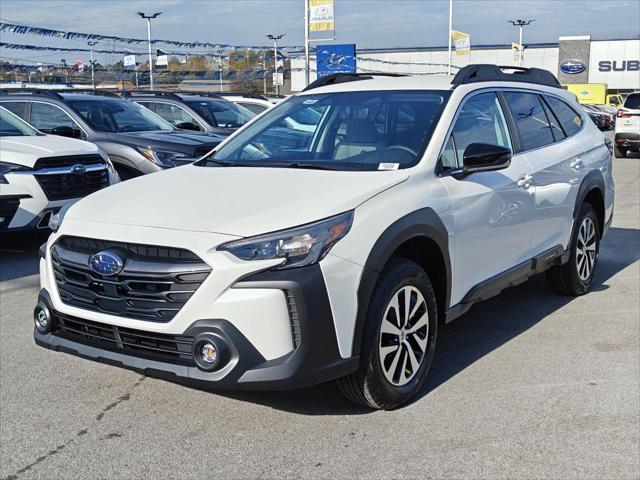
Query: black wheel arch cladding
593 181
420 224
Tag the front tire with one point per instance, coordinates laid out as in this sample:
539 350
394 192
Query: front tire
576 276
399 339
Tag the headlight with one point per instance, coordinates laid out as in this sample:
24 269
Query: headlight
298 246
163 158
9 167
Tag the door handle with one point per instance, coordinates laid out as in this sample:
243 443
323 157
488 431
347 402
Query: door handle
576 164
525 181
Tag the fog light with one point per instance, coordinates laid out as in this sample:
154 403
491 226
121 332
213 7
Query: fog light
42 318
54 222
209 352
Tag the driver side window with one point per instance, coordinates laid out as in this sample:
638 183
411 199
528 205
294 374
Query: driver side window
173 114
46 117
480 120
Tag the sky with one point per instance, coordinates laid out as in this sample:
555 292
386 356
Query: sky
367 23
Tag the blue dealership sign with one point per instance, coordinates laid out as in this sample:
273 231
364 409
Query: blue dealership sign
573 66
335 59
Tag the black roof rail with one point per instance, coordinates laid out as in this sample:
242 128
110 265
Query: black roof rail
336 78
150 93
496 73
31 91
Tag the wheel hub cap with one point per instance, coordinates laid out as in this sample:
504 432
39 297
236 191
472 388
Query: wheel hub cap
404 335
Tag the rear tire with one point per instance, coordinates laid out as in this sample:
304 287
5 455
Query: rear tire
620 152
576 276
399 339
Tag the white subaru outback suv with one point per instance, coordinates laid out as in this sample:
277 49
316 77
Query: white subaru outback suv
279 261
41 174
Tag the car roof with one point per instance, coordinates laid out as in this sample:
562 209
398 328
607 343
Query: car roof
90 97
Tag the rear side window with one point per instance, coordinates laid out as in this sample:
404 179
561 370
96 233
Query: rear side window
632 101
567 116
531 120
18 108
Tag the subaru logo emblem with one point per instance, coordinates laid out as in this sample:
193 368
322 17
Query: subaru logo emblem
106 263
573 66
78 168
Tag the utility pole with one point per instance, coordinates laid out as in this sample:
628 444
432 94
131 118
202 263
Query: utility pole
275 39
219 52
93 78
148 18
521 23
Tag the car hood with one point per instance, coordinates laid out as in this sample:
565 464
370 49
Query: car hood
239 201
27 150
186 142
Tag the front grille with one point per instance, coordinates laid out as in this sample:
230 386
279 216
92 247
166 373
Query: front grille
67 161
294 318
8 208
154 346
155 283
63 186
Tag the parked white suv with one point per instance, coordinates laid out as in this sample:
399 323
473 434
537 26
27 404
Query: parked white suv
627 136
285 261
40 174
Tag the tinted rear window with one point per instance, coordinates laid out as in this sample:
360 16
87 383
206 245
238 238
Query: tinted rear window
633 101
18 108
567 116
531 120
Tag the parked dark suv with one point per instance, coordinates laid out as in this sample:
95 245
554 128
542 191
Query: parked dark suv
136 140
194 111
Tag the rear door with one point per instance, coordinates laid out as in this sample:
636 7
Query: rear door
492 210
556 159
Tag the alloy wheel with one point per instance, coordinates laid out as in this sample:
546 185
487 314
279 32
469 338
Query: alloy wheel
586 249
404 335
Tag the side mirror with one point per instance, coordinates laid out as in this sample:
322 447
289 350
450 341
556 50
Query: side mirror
188 126
479 157
66 131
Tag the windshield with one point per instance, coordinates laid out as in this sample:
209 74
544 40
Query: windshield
119 116
221 113
12 126
375 130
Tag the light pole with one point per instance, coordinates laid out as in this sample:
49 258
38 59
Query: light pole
275 39
148 18
521 23
93 78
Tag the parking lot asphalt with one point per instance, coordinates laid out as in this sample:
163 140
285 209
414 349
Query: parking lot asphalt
526 385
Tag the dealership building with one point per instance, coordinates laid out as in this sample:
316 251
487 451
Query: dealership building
577 59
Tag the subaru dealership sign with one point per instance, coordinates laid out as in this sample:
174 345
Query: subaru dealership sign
573 66
335 59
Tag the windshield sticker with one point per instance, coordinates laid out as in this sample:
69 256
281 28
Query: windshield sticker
310 101
388 166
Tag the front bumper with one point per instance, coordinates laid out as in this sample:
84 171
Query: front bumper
315 357
24 206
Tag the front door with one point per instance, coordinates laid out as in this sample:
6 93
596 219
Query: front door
492 210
